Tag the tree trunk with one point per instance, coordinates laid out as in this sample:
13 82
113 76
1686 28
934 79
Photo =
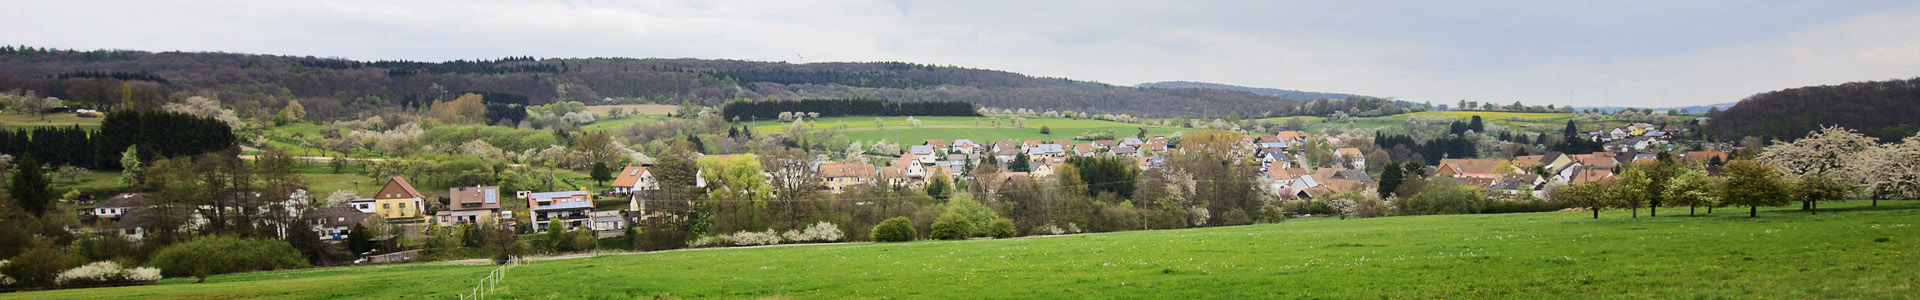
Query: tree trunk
1636 212
1653 210
1753 211
1876 202
1806 205
1709 210
1596 213
1815 207
1691 209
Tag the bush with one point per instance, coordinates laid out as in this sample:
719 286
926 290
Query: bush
106 273
1521 206
897 229
1446 196
225 254
821 232
38 266
1002 228
106 247
951 229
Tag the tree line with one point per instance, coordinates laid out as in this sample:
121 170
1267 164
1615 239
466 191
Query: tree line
1885 110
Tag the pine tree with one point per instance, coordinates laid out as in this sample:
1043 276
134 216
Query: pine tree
1019 163
28 186
1390 180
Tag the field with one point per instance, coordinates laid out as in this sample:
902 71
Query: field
14 120
1848 251
1529 122
640 109
984 131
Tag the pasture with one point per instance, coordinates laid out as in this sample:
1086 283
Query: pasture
1849 251
981 130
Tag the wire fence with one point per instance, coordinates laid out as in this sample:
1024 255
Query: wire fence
489 284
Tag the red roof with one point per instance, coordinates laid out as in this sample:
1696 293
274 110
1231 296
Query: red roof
629 176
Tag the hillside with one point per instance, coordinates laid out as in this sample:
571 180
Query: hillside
1861 254
1289 94
332 87
1888 110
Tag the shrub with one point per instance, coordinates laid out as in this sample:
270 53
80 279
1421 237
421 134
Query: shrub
1521 206
6 281
1446 196
225 254
106 273
951 229
897 229
1002 228
751 238
38 266
818 232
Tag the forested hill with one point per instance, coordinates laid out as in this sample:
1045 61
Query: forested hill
105 78
1289 94
1889 110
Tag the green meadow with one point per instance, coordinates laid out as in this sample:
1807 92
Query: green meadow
1849 250
979 129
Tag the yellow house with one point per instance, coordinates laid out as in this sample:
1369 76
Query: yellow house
398 200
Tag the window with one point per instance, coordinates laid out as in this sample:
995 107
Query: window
386 206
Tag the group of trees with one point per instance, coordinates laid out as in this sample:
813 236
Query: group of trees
159 134
1879 109
335 89
1430 152
1355 106
771 109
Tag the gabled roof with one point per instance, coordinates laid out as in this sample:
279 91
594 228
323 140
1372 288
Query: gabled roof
1291 135
630 176
920 149
1273 172
936 143
1353 175
1349 153
337 216
1527 160
1586 175
840 170
1469 165
124 200
406 189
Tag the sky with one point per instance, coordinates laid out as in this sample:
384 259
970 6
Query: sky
1585 53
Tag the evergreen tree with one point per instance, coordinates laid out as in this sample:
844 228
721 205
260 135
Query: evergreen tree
600 173
29 186
1019 163
1390 180
130 162
1476 126
357 239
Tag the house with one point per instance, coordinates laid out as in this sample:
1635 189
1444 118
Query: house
1352 157
1515 184
568 207
399 201
365 205
1275 159
119 205
1291 136
998 181
964 146
921 150
1031 143
842 175
1586 175
1125 151
905 169
938 144
1132 142
1083 150
607 221
1705 157
335 223
1046 150
1103 144
470 205
958 163
1474 167
1004 146
634 178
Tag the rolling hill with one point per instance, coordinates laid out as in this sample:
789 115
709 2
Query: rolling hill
1289 94
1888 110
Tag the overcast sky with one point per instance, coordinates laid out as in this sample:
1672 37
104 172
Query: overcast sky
1590 53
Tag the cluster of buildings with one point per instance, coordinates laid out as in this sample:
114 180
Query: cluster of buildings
1636 137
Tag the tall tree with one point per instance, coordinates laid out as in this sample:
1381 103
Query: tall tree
130 164
1390 179
601 173
28 186
1825 152
467 109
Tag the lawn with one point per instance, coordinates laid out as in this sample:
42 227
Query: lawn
1528 122
983 131
14 120
1848 251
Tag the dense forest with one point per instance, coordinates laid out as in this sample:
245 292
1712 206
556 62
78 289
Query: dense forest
1888 110
337 89
771 109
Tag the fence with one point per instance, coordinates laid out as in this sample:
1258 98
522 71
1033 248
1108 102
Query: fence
486 285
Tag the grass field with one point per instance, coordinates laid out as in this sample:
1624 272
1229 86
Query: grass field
1849 251
640 109
984 131
13 120
1529 122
